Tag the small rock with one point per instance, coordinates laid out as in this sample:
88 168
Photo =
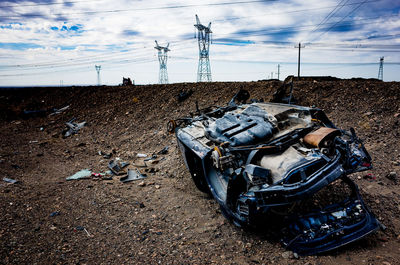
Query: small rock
142 184
385 263
157 186
368 113
286 254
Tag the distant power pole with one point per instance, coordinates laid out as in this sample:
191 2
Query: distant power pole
298 61
98 68
380 73
203 38
162 58
279 70
272 75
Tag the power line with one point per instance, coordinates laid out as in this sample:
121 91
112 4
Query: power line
305 27
288 12
344 17
115 56
146 8
333 12
50 4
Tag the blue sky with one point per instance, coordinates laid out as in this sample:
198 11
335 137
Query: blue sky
48 42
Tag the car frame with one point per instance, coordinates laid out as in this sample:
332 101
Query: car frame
256 157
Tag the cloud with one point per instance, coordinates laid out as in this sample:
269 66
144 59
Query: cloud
129 32
18 46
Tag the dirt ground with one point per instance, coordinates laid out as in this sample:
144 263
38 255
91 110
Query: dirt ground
164 219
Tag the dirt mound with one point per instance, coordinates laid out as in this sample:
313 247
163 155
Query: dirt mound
164 219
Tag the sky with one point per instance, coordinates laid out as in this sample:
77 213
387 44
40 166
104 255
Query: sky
59 42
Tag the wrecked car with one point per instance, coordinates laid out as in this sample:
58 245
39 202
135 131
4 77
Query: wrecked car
257 159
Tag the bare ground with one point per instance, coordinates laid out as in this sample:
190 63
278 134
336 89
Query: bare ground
165 219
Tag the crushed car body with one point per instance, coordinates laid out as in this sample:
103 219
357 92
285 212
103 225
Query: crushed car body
258 158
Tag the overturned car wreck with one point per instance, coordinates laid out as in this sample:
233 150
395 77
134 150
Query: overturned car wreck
258 159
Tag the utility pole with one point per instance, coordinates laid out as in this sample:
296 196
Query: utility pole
162 58
279 68
298 61
380 73
98 68
203 38
272 75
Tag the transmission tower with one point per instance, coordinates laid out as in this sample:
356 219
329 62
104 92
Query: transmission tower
98 68
380 73
162 58
203 38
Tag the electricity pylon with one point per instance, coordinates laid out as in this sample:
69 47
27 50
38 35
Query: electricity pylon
98 68
380 73
162 58
203 38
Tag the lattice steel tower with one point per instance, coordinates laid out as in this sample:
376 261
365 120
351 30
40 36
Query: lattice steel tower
162 58
98 68
380 73
203 38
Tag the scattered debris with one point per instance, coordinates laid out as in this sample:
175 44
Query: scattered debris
150 158
124 164
83 174
33 113
58 111
370 177
102 176
72 128
184 94
55 213
141 155
133 174
117 166
284 94
12 181
392 176
163 151
105 155
126 81
81 228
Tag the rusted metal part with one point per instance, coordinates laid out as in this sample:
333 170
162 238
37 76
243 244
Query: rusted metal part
321 137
